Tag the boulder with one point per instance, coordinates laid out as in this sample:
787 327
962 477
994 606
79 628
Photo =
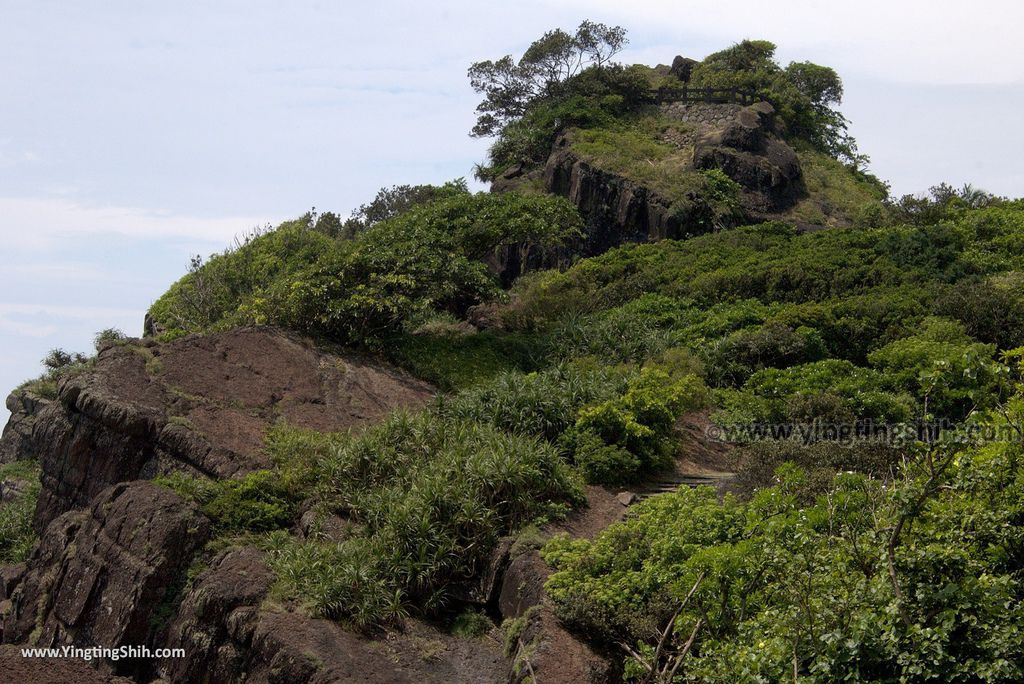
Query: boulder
98 577
232 634
750 151
198 404
217 618
682 68
16 441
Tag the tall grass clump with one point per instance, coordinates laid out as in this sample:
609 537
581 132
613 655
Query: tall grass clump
427 496
16 535
544 403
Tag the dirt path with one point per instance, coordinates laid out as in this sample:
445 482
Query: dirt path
700 461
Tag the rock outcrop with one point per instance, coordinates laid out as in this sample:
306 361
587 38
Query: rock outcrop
750 150
745 143
16 442
198 404
231 635
99 577
616 209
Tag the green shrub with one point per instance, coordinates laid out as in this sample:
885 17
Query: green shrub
256 503
427 496
426 260
635 426
797 584
458 362
108 336
633 332
832 392
943 367
544 404
470 624
604 463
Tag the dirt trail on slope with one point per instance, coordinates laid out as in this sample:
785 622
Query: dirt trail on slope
700 460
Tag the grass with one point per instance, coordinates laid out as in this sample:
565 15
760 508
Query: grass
836 195
44 387
636 153
453 362
427 496
470 624
16 535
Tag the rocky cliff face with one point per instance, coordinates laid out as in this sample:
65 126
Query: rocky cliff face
744 142
15 443
198 404
749 149
99 576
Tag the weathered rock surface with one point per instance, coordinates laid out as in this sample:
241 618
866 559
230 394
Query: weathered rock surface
199 404
216 620
682 67
232 636
15 444
749 150
17 669
616 209
98 577
545 651
745 143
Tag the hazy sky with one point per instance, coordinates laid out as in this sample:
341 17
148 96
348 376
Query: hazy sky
133 134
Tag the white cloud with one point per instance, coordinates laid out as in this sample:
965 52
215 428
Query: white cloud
39 223
924 41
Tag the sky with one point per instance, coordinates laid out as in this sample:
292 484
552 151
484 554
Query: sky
136 134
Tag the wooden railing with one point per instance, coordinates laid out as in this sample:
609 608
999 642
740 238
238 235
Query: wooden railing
687 94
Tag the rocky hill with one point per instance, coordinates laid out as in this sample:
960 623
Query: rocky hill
546 433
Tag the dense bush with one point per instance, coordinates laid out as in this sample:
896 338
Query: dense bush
833 392
256 503
464 359
625 437
427 259
949 373
805 94
427 496
544 404
916 581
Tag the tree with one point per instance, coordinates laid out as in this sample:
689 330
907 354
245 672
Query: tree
510 87
390 202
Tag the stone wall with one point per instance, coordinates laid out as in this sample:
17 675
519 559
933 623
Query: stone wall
702 113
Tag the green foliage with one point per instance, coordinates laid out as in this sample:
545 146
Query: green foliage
784 585
832 392
943 367
633 332
453 362
108 336
58 364
16 534
470 624
773 264
511 87
427 497
544 404
259 502
623 438
759 463
836 194
940 203
428 259
388 204
805 94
